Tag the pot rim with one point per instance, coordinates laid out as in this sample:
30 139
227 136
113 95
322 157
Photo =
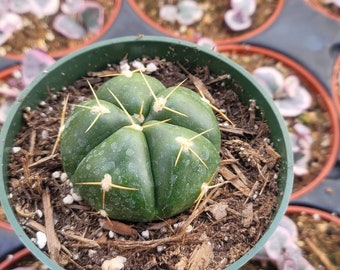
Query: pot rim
5 225
334 83
5 144
296 209
17 256
318 89
61 52
249 34
8 71
14 258
321 9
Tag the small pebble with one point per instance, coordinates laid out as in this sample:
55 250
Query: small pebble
39 213
151 67
146 234
160 248
56 174
103 213
75 256
76 196
68 199
41 239
111 234
138 65
316 216
16 149
44 134
91 253
63 177
17 74
116 263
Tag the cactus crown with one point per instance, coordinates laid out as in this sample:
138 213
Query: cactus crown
140 151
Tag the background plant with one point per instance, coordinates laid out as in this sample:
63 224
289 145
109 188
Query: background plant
282 249
292 100
72 18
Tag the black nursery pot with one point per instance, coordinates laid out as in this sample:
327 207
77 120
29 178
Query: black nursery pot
95 58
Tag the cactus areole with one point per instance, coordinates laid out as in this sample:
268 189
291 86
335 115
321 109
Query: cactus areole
141 151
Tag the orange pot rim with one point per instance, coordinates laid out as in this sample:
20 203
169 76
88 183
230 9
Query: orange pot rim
315 86
17 256
323 10
4 73
235 39
14 258
5 225
59 53
296 209
334 84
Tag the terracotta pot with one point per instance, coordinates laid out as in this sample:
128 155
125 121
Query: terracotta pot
8 71
318 245
16 256
61 52
297 209
322 9
95 57
314 86
245 35
335 83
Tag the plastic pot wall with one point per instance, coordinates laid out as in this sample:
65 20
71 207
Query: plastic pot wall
96 57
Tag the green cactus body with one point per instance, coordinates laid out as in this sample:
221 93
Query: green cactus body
141 151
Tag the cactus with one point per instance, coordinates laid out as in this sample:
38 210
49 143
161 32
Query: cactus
140 151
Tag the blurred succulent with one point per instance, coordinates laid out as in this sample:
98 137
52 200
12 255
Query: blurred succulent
34 63
38 8
289 95
9 23
186 12
79 18
238 18
282 249
292 100
75 19
301 139
206 42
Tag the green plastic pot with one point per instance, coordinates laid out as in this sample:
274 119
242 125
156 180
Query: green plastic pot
95 58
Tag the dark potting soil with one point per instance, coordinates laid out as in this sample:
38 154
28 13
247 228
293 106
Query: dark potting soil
229 220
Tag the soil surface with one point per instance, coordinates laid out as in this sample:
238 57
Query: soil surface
316 117
39 33
227 222
212 24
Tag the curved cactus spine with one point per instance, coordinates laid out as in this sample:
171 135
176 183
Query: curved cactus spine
140 151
